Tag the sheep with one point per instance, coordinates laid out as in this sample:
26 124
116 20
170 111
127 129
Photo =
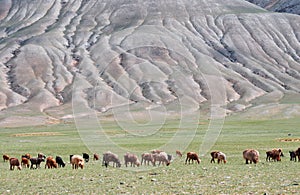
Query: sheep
146 158
111 157
14 162
27 155
155 151
60 161
162 157
77 161
214 154
293 156
41 155
50 163
192 156
96 157
275 154
86 157
5 157
221 157
178 153
251 155
297 152
36 162
25 162
132 159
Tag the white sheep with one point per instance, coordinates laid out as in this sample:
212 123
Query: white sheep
162 157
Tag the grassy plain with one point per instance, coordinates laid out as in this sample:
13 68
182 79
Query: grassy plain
235 177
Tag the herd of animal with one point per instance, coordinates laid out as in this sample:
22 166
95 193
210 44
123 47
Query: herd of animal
153 157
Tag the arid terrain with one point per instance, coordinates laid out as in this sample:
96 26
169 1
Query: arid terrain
71 57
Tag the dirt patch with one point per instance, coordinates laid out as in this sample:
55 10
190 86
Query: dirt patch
36 134
288 139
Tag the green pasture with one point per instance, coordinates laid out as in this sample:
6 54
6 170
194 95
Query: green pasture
235 177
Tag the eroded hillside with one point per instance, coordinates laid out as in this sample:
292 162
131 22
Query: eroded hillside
105 54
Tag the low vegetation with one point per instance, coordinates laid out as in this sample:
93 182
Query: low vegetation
234 177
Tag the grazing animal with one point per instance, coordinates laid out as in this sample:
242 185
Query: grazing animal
178 153
5 157
41 155
96 157
274 154
146 158
214 155
293 156
192 156
60 161
25 162
111 157
220 156
86 157
71 155
77 161
298 154
28 156
251 155
50 163
36 162
132 159
14 162
156 151
162 157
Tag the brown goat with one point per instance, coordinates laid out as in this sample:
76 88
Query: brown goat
251 155
50 163
5 157
14 162
192 156
274 154
178 153
96 156
25 162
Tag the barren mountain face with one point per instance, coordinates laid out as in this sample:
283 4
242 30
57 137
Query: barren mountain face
111 53
289 6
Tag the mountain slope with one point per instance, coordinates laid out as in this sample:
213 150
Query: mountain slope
290 6
105 54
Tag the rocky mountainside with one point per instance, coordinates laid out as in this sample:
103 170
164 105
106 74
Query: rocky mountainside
289 6
110 53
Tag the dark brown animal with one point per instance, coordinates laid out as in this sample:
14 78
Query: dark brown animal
297 152
14 162
274 154
25 162
96 157
28 156
192 156
41 155
251 155
5 157
293 156
36 162
214 155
